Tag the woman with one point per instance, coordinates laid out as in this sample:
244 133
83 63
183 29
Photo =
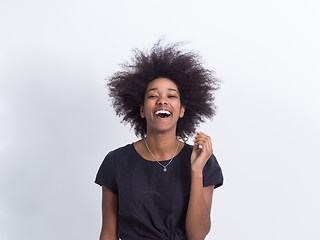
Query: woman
160 187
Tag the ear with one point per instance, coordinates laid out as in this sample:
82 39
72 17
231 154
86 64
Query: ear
142 111
182 110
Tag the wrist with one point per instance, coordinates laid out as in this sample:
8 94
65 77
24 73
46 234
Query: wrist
196 173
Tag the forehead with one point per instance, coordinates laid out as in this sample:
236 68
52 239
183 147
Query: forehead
162 83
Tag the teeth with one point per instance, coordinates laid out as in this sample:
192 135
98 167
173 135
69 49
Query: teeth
162 112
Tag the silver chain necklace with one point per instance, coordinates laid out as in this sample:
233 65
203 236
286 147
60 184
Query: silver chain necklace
164 166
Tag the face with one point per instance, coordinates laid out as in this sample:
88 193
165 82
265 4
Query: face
162 106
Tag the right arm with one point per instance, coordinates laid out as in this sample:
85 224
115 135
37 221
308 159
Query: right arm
110 208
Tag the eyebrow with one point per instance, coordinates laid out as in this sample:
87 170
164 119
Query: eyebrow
153 89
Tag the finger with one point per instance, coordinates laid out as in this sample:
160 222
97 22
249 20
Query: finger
202 138
209 143
200 134
206 145
196 146
203 143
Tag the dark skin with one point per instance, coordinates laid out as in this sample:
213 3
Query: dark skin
163 94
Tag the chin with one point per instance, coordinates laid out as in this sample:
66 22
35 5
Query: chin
162 130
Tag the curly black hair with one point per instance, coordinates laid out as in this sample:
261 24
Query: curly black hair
195 84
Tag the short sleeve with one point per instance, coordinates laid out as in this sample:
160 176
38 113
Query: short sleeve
212 173
106 175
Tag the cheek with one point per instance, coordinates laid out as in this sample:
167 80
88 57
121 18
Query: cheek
147 110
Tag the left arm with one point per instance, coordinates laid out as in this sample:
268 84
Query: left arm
198 221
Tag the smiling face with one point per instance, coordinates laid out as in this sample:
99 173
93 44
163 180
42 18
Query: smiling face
162 106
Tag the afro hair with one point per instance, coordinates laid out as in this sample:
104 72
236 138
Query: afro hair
195 83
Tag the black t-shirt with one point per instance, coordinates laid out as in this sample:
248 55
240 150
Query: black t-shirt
152 203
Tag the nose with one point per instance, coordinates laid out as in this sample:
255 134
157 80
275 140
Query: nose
162 101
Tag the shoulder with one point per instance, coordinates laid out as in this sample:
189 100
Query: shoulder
120 152
117 156
188 148
186 151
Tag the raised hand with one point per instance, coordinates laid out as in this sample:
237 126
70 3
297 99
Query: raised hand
200 155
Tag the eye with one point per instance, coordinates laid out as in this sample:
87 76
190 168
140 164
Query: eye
152 96
172 96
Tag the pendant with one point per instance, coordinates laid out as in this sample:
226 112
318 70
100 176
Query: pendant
164 169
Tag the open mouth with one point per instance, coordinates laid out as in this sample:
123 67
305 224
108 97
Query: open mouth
163 113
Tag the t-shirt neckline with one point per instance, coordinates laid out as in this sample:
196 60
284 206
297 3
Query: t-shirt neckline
135 151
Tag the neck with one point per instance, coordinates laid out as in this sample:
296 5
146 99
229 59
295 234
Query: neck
163 145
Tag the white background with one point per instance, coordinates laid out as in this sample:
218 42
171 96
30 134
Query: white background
57 123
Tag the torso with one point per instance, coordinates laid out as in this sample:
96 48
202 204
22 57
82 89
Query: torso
152 202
